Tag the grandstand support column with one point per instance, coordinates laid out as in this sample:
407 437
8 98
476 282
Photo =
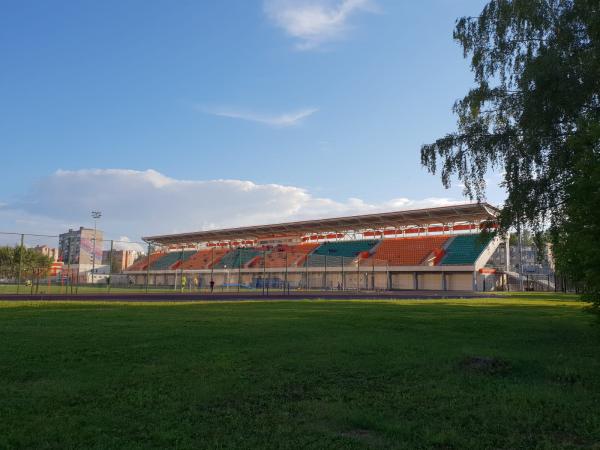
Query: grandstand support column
444 287
475 281
357 275
416 281
148 267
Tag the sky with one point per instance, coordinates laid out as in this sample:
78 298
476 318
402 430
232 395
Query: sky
189 115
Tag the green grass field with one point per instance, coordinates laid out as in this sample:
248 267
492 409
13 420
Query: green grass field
103 288
301 374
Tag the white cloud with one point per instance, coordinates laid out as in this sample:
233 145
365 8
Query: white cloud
124 243
313 22
137 203
281 120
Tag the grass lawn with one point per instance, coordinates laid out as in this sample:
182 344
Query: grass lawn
301 374
103 288
84 289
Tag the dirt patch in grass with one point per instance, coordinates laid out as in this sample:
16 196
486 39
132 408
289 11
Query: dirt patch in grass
485 365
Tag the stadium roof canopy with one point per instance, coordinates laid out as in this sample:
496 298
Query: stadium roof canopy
470 212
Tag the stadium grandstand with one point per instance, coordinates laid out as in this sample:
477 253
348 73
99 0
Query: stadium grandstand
443 248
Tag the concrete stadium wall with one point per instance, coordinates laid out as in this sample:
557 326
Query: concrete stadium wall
333 279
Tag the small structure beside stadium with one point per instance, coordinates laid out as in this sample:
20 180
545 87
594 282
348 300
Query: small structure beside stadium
443 248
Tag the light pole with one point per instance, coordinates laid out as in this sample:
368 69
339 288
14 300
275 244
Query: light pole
95 215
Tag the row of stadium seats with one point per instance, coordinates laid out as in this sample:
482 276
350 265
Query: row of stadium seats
465 249
347 249
204 259
237 258
290 255
410 251
171 259
142 263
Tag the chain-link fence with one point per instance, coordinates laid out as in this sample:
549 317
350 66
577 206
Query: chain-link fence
85 261
77 261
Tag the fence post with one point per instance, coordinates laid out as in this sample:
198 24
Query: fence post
306 272
285 284
239 280
212 271
343 276
325 274
373 275
20 263
148 267
181 269
110 261
388 281
264 272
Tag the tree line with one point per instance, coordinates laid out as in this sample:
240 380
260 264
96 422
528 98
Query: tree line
533 114
30 263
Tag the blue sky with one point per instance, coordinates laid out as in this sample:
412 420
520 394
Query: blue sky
327 98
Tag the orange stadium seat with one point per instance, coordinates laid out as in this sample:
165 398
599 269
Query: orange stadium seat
294 255
409 251
204 259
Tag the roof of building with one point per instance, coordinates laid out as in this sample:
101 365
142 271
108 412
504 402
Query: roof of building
469 212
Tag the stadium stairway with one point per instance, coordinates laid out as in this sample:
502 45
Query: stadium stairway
464 249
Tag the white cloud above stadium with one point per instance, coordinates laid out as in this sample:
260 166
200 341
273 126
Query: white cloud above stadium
312 23
142 202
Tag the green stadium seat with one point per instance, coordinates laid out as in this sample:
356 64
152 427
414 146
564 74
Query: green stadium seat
332 253
465 249
237 258
170 259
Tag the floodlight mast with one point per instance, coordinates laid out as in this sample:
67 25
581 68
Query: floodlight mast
96 216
